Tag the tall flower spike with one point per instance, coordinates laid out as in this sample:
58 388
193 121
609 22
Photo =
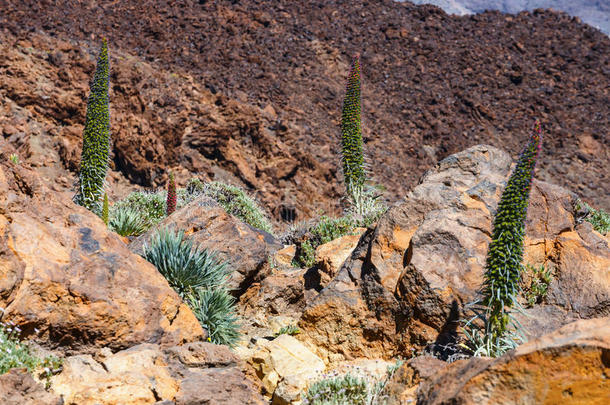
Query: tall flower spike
505 253
171 195
96 138
351 131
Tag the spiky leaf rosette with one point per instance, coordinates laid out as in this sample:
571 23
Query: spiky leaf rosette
105 209
96 138
171 196
351 130
186 266
505 253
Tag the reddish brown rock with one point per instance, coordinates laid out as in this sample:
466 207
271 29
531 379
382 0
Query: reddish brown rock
569 366
339 324
245 248
17 387
402 387
196 373
330 256
66 275
284 290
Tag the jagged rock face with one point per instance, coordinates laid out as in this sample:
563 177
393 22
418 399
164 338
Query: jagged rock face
66 275
570 365
250 90
402 388
407 281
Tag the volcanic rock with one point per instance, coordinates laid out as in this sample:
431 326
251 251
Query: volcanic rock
330 256
569 366
285 364
17 387
402 387
195 373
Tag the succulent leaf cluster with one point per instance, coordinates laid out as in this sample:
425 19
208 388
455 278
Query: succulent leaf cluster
200 278
505 253
215 311
96 138
351 130
127 221
185 266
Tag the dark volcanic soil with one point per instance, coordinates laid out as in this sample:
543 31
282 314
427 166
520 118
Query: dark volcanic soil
433 84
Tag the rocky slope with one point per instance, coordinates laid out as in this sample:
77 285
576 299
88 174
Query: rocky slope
396 289
594 12
252 93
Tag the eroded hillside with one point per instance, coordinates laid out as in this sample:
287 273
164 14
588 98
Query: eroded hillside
252 91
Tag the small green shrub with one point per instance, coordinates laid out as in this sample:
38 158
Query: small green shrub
326 230
185 266
149 206
128 222
195 186
288 330
305 256
215 311
14 158
17 354
537 287
340 390
600 219
96 138
236 202
353 388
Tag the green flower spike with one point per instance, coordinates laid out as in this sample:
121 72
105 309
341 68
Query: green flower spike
96 139
505 254
351 131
